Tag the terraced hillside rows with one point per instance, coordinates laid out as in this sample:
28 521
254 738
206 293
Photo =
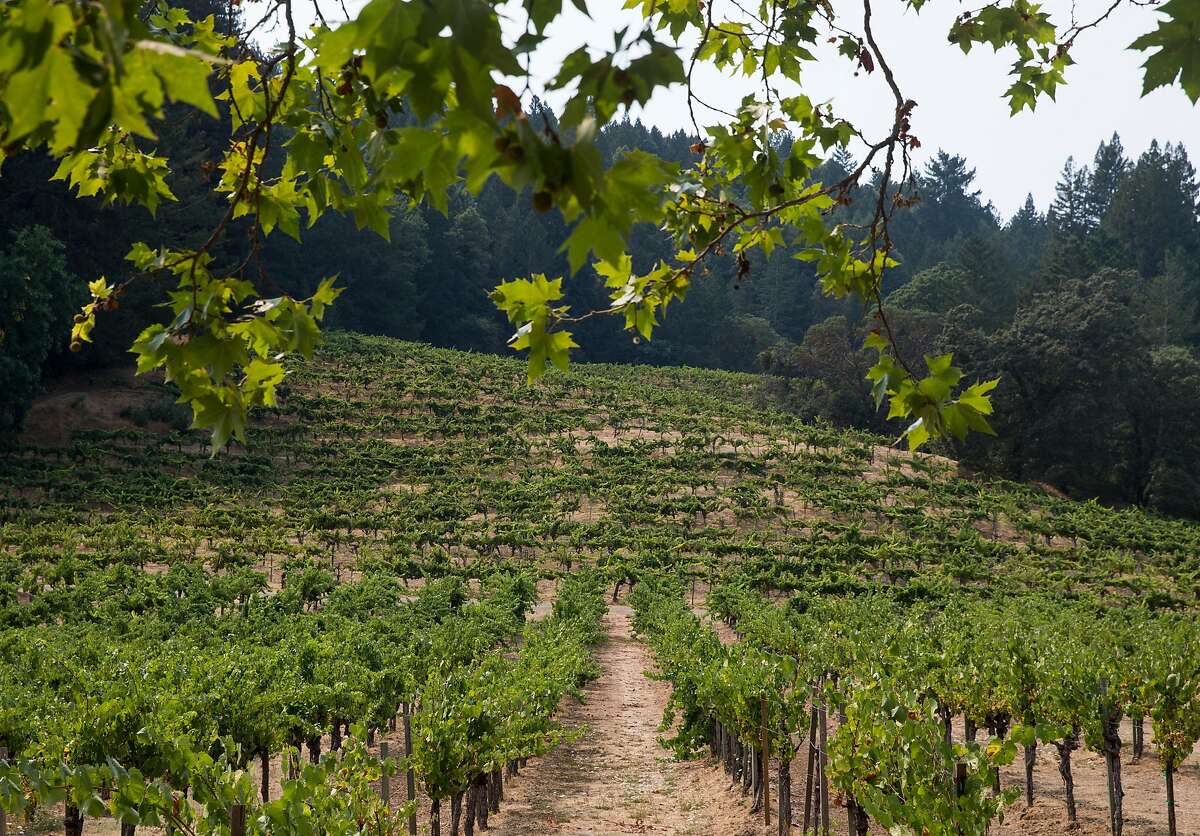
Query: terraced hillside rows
372 558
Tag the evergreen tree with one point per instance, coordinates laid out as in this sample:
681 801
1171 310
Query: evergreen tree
37 295
1024 239
454 289
381 282
839 165
1028 223
1109 168
950 210
1173 428
1166 305
995 283
1069 213
1155 209
1066 255
950 203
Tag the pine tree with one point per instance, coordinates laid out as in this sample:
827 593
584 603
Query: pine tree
1154 209
840 163
1109 168
1166 306
947 179
995 284
1066 254
1025 238
951 209
1027 219
1069 215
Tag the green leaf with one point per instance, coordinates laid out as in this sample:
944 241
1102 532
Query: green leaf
596 235
527 299
184 73
917 434
976 396
1177 45
324 296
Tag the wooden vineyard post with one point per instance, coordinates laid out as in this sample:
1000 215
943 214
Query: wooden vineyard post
265 775
385 782
765 746
3 815
812 755
1170 775
784 791
823 764
411 778
811 799
237 820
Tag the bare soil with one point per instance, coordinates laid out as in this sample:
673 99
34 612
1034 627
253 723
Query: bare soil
88 401
1145 802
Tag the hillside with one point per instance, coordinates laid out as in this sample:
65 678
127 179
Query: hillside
403 461
388 450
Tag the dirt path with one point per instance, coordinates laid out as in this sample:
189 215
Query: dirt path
617 779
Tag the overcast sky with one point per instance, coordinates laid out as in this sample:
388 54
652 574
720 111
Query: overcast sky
960 108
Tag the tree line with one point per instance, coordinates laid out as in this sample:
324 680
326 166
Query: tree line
1086 312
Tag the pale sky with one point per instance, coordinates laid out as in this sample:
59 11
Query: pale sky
960 108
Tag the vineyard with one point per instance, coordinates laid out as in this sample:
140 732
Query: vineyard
390 611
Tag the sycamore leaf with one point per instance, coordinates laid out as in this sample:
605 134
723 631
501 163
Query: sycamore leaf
262 377
324 296
977 398
527 299
100 288
595 235
917 434
616 274
1176 42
